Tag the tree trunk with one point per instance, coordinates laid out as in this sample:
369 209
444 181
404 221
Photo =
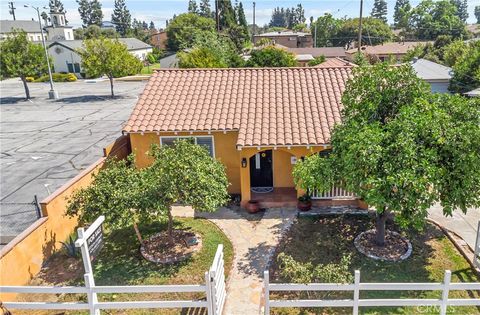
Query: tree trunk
111 85
27 91
380 226
137 231
170 225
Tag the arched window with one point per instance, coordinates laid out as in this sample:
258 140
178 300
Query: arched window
55 20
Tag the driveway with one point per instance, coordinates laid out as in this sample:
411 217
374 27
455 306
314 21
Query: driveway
44 143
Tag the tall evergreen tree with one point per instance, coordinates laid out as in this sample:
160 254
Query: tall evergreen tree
226 14
477 13
56 6
90 12
278 18
242 20
205 10
97 14
121 17
192 6
151 26
299 14
379 10
462 9
401 13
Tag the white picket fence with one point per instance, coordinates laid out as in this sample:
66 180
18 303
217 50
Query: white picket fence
333 193
357 286
214 289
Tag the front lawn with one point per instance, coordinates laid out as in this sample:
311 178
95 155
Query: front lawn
326 239
149 69
120 263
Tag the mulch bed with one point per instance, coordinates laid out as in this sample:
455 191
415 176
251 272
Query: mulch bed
396 248
158 249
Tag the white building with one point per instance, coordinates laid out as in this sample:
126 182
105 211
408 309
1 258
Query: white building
57 28
66 59
436 75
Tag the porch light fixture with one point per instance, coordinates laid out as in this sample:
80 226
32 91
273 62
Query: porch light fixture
244 162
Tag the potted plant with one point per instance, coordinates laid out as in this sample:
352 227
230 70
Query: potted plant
253 206
304 202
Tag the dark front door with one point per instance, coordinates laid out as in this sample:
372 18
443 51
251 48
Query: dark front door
261 174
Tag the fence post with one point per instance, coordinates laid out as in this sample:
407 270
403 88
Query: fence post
445 291
210 303
266 285
91 296
356 292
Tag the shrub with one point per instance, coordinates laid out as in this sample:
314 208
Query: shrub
318 60
29 79
58 77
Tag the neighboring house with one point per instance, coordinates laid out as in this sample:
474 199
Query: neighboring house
328 52
474 29
335 62
385 51
56 28
159 40
108 25
257 121
289 39
170 61
436 75
66 59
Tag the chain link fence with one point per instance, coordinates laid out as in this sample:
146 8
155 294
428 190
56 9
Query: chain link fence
15 217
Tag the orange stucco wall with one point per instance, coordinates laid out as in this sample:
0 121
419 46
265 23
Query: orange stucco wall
225 151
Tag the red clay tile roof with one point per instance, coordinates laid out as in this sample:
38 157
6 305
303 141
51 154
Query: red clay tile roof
335 62
267 106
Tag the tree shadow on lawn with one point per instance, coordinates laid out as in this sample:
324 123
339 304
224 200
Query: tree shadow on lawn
89 99
325 240
12 100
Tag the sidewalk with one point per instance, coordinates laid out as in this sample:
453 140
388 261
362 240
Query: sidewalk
464 225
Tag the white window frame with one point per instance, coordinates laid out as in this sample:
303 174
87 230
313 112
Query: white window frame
191 137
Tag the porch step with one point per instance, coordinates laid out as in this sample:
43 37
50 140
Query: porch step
333 210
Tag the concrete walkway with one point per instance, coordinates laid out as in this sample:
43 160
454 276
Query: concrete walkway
254 242
464 225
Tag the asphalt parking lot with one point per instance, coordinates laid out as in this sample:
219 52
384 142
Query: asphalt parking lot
44 143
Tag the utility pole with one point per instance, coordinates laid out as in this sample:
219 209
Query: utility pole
52 94
12 10
360 28
315 36
217 16
254 26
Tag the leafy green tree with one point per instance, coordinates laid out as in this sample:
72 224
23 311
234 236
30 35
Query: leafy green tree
117 192
121 17
90 12
401 14
466 70
94 31
375 31
186 173
453 51
108 57
192 6
477 13
401 148
183 29
316 61
21 58
210 51
431 19
360 59
327 28
278 18
379 10
462 9
204 9
56 6
271 56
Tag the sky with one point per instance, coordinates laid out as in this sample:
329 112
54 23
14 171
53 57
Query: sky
159 11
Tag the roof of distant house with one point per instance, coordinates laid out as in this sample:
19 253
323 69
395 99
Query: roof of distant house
474 93
29 26
474 28
267 106
388 48
283 33
131 43
328 52
335 62
305 57
429 70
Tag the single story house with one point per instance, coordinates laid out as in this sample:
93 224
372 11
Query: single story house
385 51
436 75
289 39
328 52
257 121
159 39
335 62
66 59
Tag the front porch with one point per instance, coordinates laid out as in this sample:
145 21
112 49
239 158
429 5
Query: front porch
279 197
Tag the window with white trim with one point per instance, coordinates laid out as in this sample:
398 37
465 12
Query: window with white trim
205 141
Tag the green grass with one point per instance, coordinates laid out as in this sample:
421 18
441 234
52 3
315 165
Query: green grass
325 240
149 69
120 263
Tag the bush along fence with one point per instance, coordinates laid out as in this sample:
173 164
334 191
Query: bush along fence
90 242
439 304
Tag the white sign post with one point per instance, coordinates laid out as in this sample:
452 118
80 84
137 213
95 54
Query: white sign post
476 256
93 235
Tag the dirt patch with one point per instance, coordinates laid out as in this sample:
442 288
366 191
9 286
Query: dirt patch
159 249
396 248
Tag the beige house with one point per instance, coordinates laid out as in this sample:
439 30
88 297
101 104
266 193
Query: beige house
288 39
385 51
